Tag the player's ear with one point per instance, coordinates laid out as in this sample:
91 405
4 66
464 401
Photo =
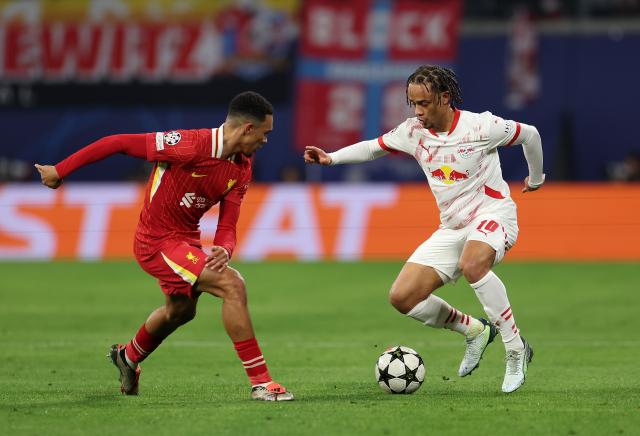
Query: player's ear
247 128
445 98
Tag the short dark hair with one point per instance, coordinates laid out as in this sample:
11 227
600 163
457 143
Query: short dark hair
250 104
440 79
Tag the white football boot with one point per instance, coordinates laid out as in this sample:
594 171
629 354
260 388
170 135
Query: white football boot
475 348
516 371
271 391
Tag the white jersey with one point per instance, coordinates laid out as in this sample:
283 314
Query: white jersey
462 166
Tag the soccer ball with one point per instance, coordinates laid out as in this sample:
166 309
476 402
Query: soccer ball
400 370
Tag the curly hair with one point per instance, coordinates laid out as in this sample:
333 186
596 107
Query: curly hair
440 79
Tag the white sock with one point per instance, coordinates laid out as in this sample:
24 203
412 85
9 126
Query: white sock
131 363
493 296
437 313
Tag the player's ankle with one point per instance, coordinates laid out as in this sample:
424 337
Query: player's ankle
475 328
133 365
514 343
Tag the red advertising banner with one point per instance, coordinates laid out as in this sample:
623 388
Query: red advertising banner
424 30
330 114
355 58
408 29
148 40
335 29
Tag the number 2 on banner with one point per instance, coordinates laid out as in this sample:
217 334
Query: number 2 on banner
345 107
486 226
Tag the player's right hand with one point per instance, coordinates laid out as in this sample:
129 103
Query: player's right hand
316 155
49 176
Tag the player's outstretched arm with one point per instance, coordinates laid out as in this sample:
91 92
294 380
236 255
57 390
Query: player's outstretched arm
49 176
129 144
532 147
315 155
360 152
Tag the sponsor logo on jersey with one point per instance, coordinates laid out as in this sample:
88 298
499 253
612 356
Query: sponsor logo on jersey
172 138
188 199
230 184
191 199
465 151
448 175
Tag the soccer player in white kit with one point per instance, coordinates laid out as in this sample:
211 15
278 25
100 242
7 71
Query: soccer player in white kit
457 151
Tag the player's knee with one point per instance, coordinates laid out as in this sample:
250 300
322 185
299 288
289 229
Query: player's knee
474 269
400 299
235 288
179 314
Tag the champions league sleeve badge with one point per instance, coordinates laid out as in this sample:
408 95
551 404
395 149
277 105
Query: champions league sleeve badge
172 138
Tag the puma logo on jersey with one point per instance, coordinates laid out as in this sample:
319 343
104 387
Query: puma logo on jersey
230 184
194 174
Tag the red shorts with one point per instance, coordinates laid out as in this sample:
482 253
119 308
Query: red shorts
175 263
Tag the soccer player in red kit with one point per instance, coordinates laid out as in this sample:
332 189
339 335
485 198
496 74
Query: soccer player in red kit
194 170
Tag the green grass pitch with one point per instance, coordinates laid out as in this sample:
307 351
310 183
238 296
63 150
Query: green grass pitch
321 327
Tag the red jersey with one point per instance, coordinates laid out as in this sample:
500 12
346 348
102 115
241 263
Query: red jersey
188 179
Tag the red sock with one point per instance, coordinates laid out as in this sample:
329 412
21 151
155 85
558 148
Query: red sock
253 361
142 345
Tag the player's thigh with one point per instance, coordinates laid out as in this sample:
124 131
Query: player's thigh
414 283
177 266
228 283
499 231
477 259
441 252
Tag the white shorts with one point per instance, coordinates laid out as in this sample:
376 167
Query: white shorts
443 249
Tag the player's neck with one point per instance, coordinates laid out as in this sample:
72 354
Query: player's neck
446 121
230 140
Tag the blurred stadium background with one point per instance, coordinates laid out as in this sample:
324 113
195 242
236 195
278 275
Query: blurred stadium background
72 71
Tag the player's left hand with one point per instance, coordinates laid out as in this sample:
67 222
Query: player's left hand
49 176
528 188
218 260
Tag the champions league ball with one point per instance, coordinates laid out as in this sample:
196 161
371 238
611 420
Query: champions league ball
400 370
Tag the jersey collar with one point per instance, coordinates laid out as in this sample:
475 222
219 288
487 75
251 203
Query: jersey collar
456 118
217 136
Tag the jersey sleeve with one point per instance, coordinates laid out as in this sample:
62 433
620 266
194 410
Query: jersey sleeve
179 146
503 132
229 214
131 145
395 140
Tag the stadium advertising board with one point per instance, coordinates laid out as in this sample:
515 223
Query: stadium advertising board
142 42
354 58
312 222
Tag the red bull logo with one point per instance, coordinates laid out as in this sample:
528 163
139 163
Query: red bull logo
448 175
